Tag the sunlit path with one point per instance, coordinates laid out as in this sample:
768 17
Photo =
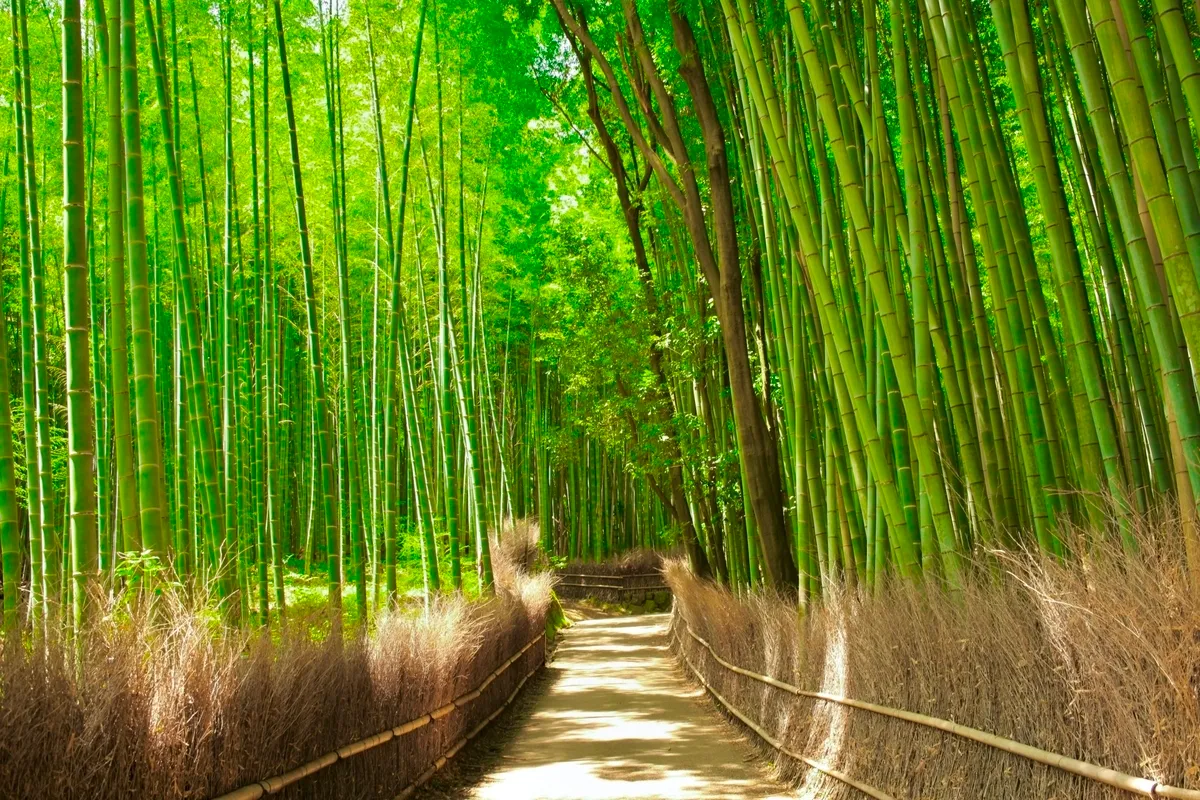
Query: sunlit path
619 721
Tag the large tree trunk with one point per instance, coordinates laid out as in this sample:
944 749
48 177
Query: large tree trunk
721 268
631 211
758 448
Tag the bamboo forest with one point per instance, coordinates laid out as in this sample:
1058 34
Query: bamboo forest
600 399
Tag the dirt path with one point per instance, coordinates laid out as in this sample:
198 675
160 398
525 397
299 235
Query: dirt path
616 720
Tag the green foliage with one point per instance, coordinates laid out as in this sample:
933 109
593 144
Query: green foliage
143 565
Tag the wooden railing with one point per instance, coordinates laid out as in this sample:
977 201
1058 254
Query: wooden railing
628 588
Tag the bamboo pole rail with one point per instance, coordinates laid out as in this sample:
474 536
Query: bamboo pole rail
453 751
866 789
616 586
594 575
1145 787
624 584
277 783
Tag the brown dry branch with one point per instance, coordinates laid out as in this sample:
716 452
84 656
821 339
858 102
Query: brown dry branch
176 707
1095 658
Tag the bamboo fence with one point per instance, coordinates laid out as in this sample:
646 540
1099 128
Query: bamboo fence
1145 787
277 783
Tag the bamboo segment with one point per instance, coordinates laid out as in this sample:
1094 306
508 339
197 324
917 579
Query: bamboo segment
280 782
409 727
365 744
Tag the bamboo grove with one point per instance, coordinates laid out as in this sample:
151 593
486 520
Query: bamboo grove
263 348
820 292
953 251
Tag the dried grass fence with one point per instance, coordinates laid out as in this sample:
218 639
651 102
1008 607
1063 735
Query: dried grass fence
278 783
178 710
1064 665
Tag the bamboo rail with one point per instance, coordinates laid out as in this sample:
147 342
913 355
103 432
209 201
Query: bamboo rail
866 789
277 783
453 751
1146 787
602 575
615 583
616 586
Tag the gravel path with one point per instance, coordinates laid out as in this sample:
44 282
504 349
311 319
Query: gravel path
613 720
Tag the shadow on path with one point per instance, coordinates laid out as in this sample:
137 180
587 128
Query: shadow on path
616 720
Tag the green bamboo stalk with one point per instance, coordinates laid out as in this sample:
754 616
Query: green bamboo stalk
77 322
349 437
48 533
10 531
150 485
271 337
37 589
321 408
202 433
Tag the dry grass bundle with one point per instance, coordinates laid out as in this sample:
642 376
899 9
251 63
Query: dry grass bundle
1097 658
518 550
175 707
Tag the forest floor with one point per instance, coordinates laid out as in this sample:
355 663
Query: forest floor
611 717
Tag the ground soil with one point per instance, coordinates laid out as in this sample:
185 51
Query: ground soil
610 718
